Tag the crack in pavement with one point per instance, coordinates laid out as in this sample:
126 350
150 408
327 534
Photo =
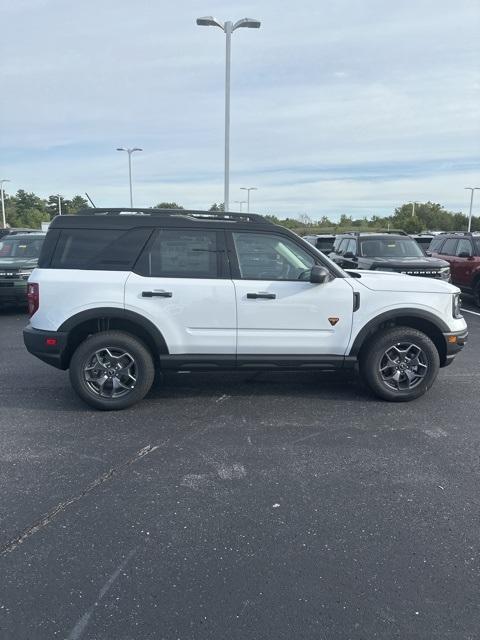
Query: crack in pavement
12 544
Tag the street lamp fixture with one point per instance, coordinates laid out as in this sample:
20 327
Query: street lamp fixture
4 220
241 203
472 189
413 203
130 151
228 28
248 189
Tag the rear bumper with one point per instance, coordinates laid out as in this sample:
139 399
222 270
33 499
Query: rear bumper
36 343
455 342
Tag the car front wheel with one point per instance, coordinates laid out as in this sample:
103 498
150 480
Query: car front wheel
111 370
400 364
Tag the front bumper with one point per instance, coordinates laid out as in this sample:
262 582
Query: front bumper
455 341
36 343
13 291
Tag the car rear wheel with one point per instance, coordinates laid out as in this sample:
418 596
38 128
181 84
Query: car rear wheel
111 370
400 364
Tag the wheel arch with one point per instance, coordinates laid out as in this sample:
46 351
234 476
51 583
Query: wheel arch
428 323
92 321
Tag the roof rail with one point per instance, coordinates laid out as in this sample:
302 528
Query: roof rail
397 232
228 216
458 233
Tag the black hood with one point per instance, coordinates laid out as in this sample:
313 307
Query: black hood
419 262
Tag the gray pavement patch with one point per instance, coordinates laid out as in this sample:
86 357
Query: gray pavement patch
12 544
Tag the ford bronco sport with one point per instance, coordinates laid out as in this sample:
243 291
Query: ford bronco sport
119 293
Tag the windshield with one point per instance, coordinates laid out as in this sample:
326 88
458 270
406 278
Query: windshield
390 248
18 247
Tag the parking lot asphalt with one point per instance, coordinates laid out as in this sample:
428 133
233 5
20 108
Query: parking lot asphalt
238 506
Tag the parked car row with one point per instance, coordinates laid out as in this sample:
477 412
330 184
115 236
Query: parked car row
454 257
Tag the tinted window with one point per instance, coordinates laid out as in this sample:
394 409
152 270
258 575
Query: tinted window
182 253
435 244
477 244
20 247
448 248
263 256
324 244
464 246
101 249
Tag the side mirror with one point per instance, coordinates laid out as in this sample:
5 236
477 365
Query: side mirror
428 253
464 254
319 275
349 255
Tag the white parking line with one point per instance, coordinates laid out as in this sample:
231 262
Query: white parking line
475 313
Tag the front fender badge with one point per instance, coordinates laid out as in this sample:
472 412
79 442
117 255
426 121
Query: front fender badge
333 321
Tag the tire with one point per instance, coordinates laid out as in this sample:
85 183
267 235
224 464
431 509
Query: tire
399 364
111 370
476 293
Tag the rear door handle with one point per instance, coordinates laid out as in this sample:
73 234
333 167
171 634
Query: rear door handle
156 294
261 294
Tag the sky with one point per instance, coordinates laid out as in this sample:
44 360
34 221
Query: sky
348 107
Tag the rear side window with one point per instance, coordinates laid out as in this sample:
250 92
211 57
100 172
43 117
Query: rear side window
99 249
182 253
435 244
449 247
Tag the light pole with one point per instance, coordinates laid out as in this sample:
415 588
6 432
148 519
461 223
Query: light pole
413 203
241 203
130 151
248 189
59 205
472 189
228 28
4 220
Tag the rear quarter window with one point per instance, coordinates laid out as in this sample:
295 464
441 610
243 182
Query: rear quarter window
98 249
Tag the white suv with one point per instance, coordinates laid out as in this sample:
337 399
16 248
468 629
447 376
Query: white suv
119 293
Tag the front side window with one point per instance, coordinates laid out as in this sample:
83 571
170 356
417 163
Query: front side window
435 244
390 248
464 246
351 248
182 253
263 256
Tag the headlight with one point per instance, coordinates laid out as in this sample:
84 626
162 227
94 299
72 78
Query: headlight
445 273
456 302
25 274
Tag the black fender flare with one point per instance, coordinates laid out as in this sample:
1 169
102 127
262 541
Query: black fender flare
394 314
116 313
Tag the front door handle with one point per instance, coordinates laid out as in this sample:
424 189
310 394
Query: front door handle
156 294
261 294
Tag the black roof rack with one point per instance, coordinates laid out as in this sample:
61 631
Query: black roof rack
396 232
228 216
458 233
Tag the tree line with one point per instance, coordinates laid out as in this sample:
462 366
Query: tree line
29 210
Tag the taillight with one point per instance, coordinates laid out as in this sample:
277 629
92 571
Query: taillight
33 295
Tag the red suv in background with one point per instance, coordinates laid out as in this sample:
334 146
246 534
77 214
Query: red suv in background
462 251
